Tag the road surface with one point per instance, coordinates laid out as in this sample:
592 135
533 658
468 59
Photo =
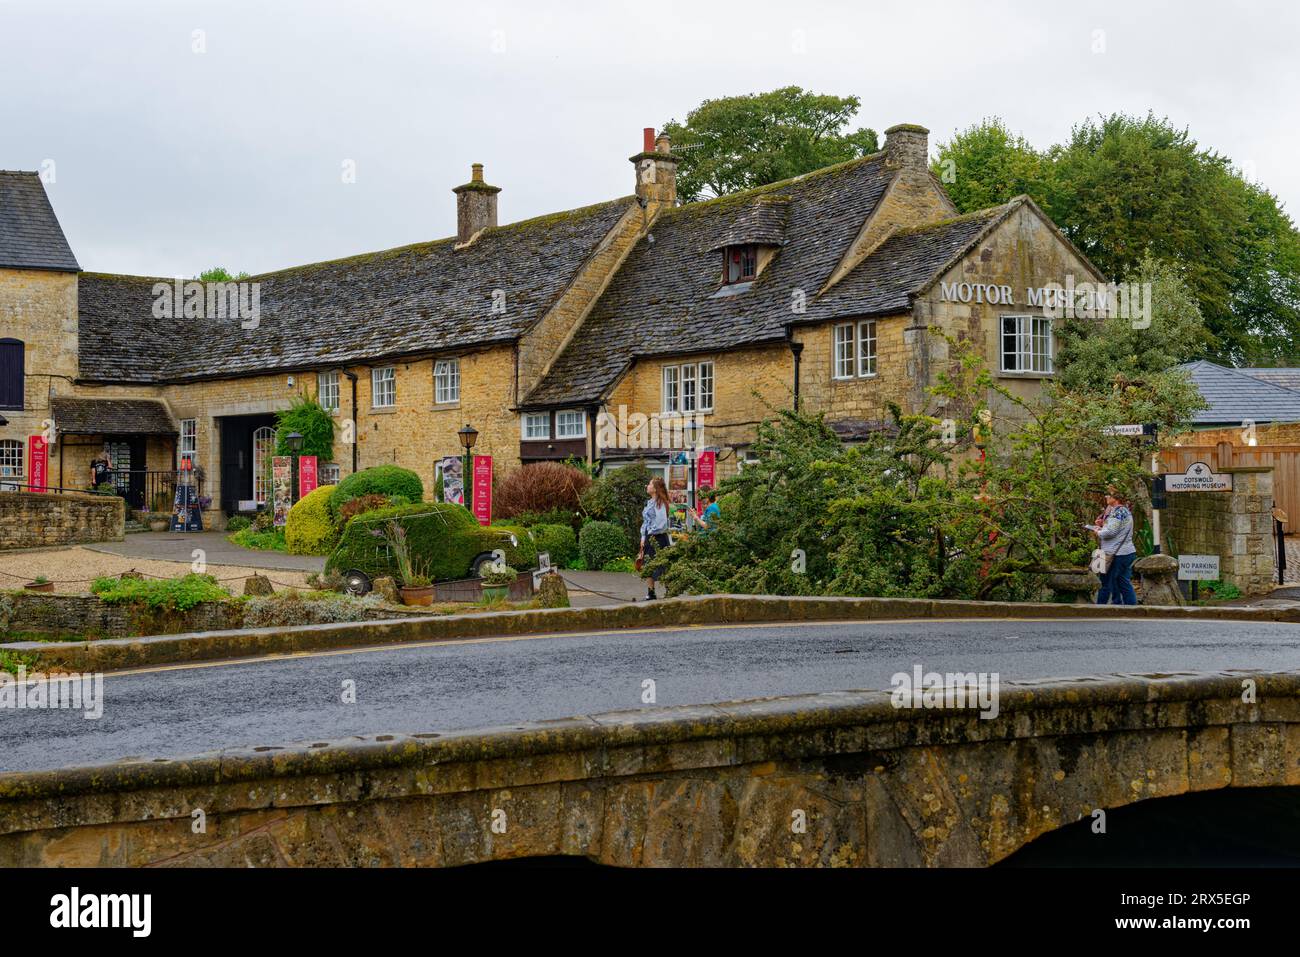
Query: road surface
188 709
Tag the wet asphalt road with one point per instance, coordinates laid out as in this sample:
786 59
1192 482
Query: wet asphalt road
446 686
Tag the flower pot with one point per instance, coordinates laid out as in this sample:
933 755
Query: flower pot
494 592
159 525
420 595
39 586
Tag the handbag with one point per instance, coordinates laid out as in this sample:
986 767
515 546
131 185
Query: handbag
1100 563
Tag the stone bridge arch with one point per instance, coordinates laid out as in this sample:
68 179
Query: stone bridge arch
834 779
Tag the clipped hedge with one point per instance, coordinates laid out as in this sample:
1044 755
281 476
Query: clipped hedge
379 480
443 539
310 528
558 540
601 542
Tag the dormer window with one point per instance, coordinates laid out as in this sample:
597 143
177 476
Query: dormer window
739 263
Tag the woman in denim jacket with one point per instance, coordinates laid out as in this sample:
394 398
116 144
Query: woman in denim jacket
654 527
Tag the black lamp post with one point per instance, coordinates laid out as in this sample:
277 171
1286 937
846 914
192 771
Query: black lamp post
294 441
691 434
468 436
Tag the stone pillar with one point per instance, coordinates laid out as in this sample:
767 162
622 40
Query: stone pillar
1237 526
907 146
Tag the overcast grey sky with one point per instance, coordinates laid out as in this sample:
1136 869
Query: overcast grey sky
168 160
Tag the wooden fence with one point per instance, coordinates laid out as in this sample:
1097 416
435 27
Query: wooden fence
1285 460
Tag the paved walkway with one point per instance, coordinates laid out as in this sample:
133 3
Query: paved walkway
179 547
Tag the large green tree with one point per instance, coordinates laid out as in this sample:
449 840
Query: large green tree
1123 187
738 142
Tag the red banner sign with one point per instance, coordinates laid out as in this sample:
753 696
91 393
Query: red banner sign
706 470
306 475
38 458
483 489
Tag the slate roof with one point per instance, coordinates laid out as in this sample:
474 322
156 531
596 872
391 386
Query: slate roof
883 282
1287 378
111 416
664 301
30 234
1233 396
407 301
762 223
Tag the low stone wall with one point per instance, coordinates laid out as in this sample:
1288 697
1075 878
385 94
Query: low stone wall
841 779
1237 526
87 617
35 519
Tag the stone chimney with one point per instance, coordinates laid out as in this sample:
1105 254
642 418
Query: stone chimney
907 146
656 170
476 205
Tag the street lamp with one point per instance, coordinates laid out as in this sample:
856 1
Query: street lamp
294 441
468 436
691 435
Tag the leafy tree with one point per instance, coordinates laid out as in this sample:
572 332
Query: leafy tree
618 497
307 417
986 165
220 274
738 142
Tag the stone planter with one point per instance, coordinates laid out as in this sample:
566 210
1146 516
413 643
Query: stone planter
39 586
494 592
159 524
1076 586
420 595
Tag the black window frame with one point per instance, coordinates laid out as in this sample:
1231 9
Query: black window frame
10 347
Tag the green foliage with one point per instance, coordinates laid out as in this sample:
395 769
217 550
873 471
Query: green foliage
220 274
11 661
310 529
169 594
271 540
307 417
738 142
602 542
504 575
624 564
1126 188
237 523
618 496
559 541
379 480
443 538
1219 590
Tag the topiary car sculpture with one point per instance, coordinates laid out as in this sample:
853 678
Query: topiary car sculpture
442 537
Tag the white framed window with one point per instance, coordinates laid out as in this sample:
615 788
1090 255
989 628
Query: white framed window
570 424
189 441
327 390
866 348
1027 344
672 390
689 391
383 388
329 473
537 425
705 401
446 381
11 458
844 349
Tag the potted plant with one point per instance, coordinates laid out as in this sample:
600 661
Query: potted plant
415 587
40 583
159 522
496 581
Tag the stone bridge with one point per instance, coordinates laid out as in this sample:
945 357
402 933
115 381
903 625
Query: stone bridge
835 779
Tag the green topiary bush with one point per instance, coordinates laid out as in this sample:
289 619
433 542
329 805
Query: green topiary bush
618 496
601 542
380 480
558 540
310 528
441 536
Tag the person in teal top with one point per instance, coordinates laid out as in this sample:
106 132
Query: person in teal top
712 514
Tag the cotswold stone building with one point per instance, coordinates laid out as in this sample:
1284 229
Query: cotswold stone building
592 333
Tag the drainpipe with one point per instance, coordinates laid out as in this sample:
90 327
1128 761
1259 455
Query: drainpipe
796 349
356 426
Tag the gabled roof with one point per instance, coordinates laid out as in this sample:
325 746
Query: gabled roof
904 264
666 298
1233 396
408 301
1287 378
30 234
75 416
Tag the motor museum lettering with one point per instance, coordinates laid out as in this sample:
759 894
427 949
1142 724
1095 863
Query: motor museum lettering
1086 296
1199 477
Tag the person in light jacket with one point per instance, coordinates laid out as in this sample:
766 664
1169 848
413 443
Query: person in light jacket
654 528
1115 536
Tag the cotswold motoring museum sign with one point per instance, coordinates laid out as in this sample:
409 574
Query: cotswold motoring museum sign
1199 477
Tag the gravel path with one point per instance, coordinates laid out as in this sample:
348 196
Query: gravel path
72 568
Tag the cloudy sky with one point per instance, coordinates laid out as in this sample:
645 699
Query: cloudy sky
174 150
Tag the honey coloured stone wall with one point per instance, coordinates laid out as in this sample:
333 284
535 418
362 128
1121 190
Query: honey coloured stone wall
33 519
865 397
1237 526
